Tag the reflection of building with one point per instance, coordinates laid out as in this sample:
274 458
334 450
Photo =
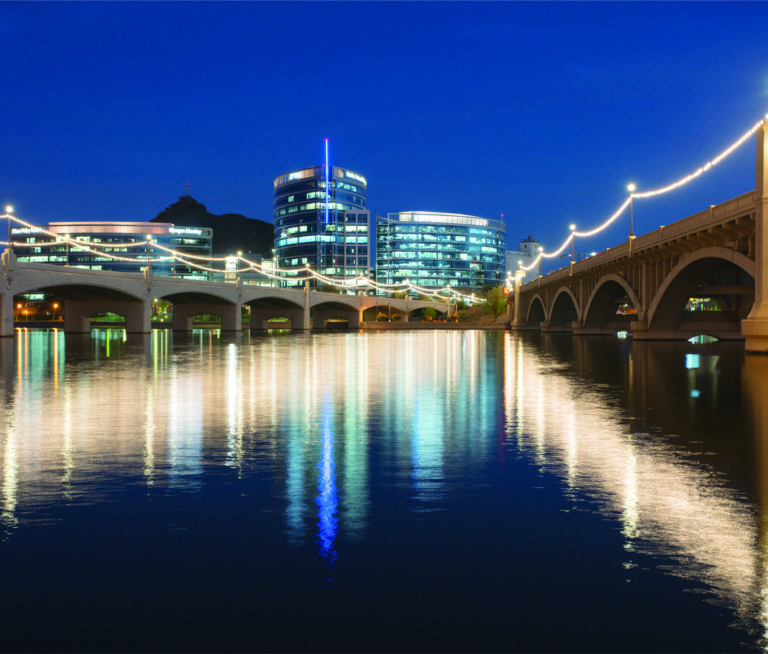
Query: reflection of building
134 243
328 231
524 256
440 249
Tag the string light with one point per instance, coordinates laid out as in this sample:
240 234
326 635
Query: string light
252 266
652 193
706 167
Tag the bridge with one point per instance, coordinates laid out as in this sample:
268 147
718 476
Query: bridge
86 293
702 275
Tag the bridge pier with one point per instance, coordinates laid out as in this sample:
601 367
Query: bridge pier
755 327
514 312
6 314
232 318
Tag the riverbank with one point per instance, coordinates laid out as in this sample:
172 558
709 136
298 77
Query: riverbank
368 326
387 326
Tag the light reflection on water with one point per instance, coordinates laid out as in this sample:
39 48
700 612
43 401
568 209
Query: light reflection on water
666 504
334 421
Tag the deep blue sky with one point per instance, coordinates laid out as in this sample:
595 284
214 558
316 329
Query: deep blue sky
541 111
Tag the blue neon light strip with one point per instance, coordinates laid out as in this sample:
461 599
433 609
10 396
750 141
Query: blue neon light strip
327 189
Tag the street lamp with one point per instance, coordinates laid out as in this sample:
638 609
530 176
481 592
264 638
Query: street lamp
573 238
541 250
9 211
55 306
631 188
149 242
66 244
274 268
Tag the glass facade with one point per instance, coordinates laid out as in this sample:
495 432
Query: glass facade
133 242
440 249
327 228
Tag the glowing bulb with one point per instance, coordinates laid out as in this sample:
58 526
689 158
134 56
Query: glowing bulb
631 188
573 227
9 209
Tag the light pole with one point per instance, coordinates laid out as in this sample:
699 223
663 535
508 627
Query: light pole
573 238
149 241
541 250
274 268
55 306
9 211
631 188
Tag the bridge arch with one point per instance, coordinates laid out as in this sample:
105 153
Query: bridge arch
599 311
189 305
564 311
665 314
537 312
269 308
81 291
326 310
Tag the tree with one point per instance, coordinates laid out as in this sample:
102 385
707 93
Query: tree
496 301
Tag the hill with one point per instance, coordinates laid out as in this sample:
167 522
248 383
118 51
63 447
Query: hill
232 232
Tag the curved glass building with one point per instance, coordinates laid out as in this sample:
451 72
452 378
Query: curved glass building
440 249
321 220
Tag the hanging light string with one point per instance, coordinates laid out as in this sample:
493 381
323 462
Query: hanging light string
252 266
649 194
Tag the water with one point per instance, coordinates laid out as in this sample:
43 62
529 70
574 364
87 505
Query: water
393 491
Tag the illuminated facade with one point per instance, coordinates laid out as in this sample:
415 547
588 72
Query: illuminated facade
321 221
136 244
440 249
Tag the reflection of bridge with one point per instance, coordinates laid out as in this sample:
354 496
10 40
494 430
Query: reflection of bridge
716 258
89 292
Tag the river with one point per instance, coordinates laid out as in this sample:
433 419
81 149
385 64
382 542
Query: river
383 491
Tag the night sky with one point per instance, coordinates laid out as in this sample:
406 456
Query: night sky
541 111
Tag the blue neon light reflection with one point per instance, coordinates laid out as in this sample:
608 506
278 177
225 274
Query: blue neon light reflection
327 494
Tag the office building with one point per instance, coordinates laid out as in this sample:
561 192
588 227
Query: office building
133 243
436 250
322 221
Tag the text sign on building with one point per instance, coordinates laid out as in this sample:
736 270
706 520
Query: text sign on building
186 231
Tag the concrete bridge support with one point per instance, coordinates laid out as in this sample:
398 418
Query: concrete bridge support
755 327
6 314
514 312
137 314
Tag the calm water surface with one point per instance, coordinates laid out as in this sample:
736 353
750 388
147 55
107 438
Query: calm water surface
417 491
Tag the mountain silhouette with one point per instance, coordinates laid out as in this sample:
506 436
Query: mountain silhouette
232 232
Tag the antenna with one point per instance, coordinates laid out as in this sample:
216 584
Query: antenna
186 189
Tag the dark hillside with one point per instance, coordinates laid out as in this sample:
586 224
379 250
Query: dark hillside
232 232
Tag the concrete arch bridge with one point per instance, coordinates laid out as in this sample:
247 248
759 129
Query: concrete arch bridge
702 275
86 293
